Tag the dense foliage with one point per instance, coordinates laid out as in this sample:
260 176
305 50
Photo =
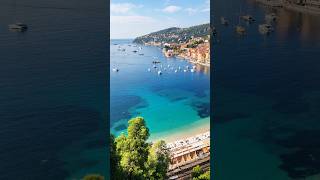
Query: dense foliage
133 158
198 174
175 34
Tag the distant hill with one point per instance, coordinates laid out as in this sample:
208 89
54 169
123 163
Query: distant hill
175 34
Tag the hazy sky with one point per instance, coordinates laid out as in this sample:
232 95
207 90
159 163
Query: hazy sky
132 18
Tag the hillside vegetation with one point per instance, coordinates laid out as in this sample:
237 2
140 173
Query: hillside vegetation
175 35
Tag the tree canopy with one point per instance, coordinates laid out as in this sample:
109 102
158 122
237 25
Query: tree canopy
198 174
132 157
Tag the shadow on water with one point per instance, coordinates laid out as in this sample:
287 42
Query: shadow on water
36 148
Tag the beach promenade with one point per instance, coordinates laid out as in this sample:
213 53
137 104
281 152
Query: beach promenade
188 153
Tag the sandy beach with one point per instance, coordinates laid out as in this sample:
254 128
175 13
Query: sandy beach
198 127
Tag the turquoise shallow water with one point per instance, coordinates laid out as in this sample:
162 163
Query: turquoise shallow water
167 102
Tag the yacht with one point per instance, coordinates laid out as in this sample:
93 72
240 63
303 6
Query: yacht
270 17
248 18
115 70
224 21
18 27
159 72
265 28
240 30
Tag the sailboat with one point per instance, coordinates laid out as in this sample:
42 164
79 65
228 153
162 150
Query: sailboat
18 26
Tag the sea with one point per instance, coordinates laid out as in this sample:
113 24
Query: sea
53 89
266 94
170 102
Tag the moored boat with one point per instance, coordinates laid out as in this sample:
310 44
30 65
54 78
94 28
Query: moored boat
240 30
270 17
224 21
248 18
18 27
265 28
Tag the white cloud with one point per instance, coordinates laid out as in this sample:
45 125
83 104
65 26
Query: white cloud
122 7
171 9
191 10
206 10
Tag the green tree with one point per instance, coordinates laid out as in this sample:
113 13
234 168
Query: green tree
198 174
158 161
134 149
196 171
204 176
93 177
132 158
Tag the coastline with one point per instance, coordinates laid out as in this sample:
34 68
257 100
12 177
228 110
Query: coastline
198 127
193 61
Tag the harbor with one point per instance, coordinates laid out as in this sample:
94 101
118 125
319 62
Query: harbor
168 82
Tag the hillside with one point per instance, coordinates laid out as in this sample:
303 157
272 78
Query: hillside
175 34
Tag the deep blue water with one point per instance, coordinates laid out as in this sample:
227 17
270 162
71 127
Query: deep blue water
266 95
53 89
169 102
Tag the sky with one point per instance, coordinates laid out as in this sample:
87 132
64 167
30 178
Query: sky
133 18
